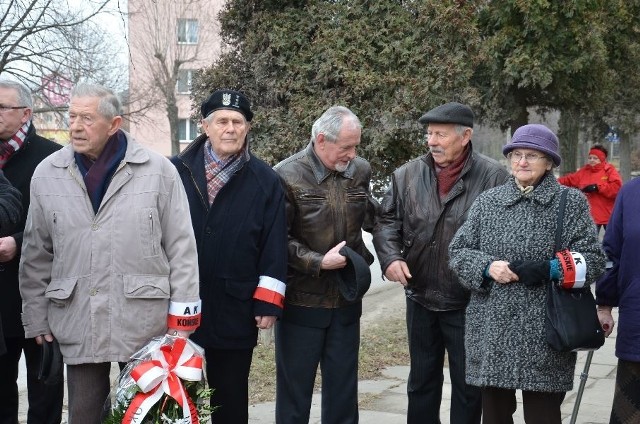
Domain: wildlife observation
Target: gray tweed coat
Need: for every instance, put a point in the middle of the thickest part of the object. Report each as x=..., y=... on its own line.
x=504, y=333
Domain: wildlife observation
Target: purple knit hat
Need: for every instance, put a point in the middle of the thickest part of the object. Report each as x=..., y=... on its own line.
x=536, y=137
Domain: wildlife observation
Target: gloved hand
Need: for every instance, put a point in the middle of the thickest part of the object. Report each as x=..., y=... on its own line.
x=531, y=273
x=590, y=188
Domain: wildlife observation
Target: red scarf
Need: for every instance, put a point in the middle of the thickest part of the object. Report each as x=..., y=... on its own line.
x=448, y=176
x=9, y=147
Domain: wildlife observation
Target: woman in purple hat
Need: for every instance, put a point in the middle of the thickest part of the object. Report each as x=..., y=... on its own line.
x=504, y=254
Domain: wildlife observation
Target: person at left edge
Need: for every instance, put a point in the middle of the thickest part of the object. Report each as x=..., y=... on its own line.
x=237, y=210
x=109, y=259
x=10, y=206
x=10, y=209
x=22, y=149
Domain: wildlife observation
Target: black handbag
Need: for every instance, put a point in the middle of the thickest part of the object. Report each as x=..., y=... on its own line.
x=571, y=322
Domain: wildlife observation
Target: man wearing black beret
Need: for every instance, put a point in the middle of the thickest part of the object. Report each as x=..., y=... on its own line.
x=238, y=216
x=426, y=203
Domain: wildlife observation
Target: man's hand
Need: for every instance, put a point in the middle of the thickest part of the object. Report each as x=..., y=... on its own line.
x=606, y=319
x=398, y=271
x=590, y=188
x=178, y=333
x=265, y=323
x=500, y=272
x=8, y=248
x=40, y=339
x=334, y=260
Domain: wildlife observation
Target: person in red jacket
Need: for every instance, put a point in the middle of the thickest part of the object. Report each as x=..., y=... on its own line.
x=600, y=181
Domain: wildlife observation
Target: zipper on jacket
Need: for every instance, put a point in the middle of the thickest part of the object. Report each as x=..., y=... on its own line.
x=83, y=187
x=205, y=201
x=120, y=166
x=152, y=237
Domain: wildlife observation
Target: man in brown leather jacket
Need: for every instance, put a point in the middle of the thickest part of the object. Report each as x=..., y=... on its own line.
x=426, y=203
x=328, y=204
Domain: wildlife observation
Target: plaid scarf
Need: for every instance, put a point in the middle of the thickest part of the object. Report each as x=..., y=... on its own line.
x=219, y=172
x=9, y=147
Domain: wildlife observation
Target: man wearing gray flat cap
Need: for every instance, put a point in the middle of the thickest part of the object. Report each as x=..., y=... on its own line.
x=425, y=204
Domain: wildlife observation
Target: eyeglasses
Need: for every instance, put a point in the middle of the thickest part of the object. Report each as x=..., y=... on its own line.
x=4, y=108
x=516, y=157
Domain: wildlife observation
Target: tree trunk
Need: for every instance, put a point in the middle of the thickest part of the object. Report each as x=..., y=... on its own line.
x=568, y=134
x=172, y=115
x=520, y=118
x=625, y=155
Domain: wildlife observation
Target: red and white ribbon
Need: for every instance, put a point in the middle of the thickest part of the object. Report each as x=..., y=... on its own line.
x=161, y=375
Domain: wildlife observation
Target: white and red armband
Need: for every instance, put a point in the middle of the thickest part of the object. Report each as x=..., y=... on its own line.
x=184, y=316
x=270, y=290
x=574, y=269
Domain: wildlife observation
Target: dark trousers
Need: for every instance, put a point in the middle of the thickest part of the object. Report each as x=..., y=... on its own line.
x=626, y=398
x=45, y=401
x=228, y=375
x=88, y=386
x=498, y=406
x=299, y=350
x=430, y=334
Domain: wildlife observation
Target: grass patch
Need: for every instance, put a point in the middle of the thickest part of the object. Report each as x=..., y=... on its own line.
x=382, y=344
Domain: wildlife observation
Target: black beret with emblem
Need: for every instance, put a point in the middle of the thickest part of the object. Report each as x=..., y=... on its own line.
x=449, y=113
x=227, y=99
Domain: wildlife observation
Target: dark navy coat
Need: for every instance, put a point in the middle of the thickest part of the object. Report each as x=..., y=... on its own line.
x=620, y=285
x=241, y=238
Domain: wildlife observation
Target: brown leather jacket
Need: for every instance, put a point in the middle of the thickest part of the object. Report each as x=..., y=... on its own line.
x=323, y=207
x=416, y=226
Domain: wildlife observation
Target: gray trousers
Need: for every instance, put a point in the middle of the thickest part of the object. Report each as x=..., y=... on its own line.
x=88, y=388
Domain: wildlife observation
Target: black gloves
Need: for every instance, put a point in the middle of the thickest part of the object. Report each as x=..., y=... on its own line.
x=590, y=188
x=531, y=273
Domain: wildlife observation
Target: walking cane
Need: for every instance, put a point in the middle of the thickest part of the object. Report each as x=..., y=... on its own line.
x=583, y=380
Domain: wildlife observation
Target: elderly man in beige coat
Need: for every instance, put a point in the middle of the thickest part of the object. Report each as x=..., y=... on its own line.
x=109, y=256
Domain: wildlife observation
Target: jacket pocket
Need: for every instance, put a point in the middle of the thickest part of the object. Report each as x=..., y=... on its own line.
x=145, y=306
x=67, y=310
x=236, y=319
x=57, y=223
x=311, y=196
x=356, y=195
x=149, y=230
x=407, y=242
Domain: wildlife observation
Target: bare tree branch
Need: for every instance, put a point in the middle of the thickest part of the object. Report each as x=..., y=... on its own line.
x=159, y=56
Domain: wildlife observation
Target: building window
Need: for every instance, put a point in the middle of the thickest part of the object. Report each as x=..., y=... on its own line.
x=184, y=81
x=187, y=31
x=187, y=130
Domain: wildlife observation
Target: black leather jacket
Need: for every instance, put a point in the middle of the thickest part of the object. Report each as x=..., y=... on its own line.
x=323, y=207
x=417, y=227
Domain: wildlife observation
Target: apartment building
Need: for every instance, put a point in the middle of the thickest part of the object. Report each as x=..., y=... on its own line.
x=168, y=41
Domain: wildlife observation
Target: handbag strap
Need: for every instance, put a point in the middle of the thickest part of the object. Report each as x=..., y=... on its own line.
x=561, y=207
